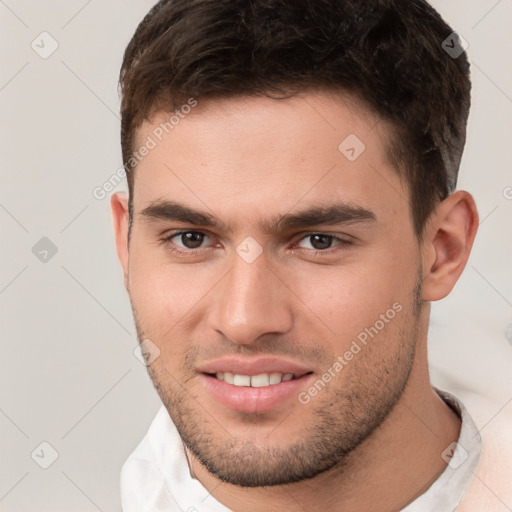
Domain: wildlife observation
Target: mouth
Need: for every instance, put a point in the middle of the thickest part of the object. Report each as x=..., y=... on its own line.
x=260, y=380
x=254, y=390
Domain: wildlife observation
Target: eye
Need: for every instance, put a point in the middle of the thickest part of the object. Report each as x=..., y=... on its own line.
x=188, y=239
x=321, y=241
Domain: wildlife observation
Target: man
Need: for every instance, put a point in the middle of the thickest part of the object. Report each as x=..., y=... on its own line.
x=292, y=213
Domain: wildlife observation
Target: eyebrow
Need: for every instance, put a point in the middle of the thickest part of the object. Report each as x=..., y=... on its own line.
x=331, y=214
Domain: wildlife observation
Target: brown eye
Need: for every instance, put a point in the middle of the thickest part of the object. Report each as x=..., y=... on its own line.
x=190, y=239
x=317, y=241
x=320, y=242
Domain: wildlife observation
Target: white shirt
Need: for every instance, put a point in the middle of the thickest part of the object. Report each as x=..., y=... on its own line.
x=156, y=476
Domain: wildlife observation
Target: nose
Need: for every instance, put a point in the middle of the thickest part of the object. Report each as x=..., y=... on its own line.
x=250, y=302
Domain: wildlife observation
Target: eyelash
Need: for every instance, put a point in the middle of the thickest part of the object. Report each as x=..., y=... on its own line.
x=341, y=243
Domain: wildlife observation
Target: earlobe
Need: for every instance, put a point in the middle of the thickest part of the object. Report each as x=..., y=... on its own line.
x=448, y=243
x=120, y=219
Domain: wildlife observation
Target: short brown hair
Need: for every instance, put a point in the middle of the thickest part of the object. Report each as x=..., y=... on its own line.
x=387, y=52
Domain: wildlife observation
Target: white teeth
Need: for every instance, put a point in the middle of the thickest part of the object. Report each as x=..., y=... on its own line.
x=275, y=378
x=256, y=381
x=242, y=380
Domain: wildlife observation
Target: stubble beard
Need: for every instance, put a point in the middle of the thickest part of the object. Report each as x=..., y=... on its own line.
x=343, y=417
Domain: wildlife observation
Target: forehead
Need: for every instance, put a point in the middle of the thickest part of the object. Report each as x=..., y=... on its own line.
x=249, y=157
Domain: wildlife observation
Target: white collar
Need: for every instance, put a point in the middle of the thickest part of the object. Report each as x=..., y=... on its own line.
x=447, y=491
x=156, y=477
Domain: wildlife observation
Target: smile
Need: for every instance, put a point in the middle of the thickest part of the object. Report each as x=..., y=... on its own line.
x=255, y=393
x=256, y=381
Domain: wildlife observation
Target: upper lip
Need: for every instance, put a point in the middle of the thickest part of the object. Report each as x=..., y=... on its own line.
x=254, y=366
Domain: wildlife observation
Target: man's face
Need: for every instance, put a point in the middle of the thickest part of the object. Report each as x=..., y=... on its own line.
x=257, y=288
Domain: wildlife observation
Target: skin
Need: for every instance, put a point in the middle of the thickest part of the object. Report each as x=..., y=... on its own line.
x=372, y=438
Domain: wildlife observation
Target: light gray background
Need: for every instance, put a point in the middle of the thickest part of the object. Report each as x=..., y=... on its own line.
x=68, y=374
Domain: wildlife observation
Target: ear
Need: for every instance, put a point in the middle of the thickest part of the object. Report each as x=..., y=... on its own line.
x=120, y=219
x=447, y=242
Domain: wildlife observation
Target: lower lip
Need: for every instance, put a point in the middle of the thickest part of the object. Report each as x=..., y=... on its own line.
x=255, y=400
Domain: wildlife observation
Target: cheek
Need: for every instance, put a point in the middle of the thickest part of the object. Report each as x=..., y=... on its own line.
x=159, y=295
x=351, y=297
x=168, y=297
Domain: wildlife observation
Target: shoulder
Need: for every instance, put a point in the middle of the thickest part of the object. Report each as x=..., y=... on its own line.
x=490, y=488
